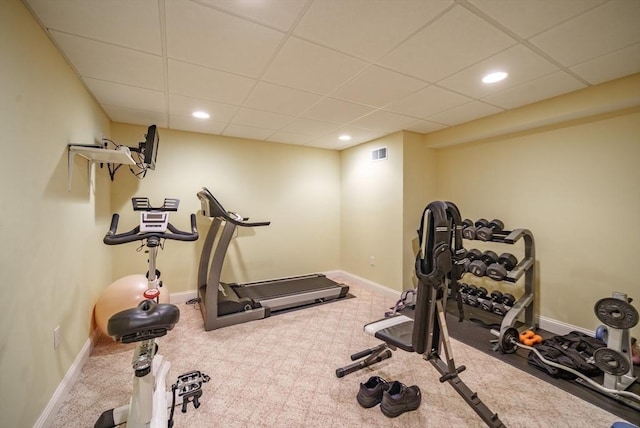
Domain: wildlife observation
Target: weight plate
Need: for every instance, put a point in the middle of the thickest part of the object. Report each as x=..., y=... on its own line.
x=508, y=340
x=616, y=313
x=611, y=361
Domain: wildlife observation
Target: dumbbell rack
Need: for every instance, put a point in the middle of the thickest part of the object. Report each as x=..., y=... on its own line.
x=526, y=267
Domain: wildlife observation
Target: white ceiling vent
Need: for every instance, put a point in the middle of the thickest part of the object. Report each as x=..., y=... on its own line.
x=379, y=154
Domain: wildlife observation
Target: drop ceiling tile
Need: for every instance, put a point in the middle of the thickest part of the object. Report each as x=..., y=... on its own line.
x=548, y=86
x=424, y=126
x=280, y=99
x=289, y=138
x=119, y=95
x=185, y=106
x=600, y=31
x=427, y=101
x=205, y=83
x=527, y=18
x=383, y=121
x=345, y=26
x=241, y=131
x=520, y=62
x=330, y=140
x=113, y=63
x=329, y=144
x=202, y=35
x=336, y=111
x=260, y=119
x=309, y=127
x=136, y=117
x=277, y=13
x=377, y=87
x=193, y=124
x=309, y=67
x=453, y=42
x=465, y=113
x=135, y=24
x=599, y=70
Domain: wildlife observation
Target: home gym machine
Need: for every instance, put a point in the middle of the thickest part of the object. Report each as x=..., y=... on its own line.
x=615, y=360
x=439, y=266
x=225, y=304
x=148, y=321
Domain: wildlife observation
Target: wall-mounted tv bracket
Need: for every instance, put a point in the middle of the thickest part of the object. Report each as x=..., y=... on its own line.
x=95, y=153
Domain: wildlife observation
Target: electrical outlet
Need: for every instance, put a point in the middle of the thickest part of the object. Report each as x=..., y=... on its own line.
x=372, y=261
x=56, y=337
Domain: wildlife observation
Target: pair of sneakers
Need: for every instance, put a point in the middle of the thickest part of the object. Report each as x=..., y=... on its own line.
x=394, y=398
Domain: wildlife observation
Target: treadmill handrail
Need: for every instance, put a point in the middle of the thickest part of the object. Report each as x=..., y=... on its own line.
x=212, y=208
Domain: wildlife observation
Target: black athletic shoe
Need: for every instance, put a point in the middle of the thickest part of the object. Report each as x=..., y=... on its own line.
x=370, y=392
x=400, y=398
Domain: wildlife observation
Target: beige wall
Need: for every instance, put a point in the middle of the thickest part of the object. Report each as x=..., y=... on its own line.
x=419, y=188
x=53, y=264
x=576, y=186
x=371, y=212
x=568, y=170
x=296, y=188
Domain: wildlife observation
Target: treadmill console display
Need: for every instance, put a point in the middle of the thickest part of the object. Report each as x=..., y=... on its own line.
x=154, y=221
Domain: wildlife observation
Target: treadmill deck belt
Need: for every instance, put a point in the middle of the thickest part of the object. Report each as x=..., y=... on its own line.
x=287, y=287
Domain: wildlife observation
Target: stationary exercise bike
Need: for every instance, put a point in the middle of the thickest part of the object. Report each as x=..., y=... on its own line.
x=147, y=321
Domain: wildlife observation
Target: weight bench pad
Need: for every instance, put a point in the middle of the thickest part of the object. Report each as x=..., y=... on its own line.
x=396, y=331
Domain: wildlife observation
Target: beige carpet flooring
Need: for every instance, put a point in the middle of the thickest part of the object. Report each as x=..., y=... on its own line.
x=280, y=372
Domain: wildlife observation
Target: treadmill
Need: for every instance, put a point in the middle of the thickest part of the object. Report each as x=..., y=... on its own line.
x=225, y=304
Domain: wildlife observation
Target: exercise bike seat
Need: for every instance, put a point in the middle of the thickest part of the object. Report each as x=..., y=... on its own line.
x=146, y=321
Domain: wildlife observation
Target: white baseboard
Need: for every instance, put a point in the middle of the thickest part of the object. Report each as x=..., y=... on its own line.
x=49, y=412
x=57, y=399
x=560, y=328
x=373, y=286
x=183, y=296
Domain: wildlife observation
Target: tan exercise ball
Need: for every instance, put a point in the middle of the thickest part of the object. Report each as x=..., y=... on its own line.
x=124, y=293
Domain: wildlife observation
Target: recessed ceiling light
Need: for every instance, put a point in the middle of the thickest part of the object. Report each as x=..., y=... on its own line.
x=201, y=114
x=344, y=137
x=494, y=77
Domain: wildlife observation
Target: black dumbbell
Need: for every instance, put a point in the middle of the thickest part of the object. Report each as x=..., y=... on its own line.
x=466, y=223
x=470, y=256
x=482, y=297
x=472, y=296
x=485, y=233
x=502, y=307
x=463, y=289
x=501, y=268
x=487, y=303
x=477, y=295
x=470, y=231
x=479, y=267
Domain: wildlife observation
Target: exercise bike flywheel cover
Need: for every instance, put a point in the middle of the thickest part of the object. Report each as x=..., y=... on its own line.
x=616, y=313
x=611, y=361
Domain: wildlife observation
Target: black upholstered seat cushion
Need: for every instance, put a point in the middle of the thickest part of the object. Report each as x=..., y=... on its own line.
x=396, y=331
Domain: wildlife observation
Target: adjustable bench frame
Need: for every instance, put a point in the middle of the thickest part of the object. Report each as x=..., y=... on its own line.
x=438, y=268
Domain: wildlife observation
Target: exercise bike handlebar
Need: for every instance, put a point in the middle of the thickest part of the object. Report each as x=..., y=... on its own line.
x=173, y=233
